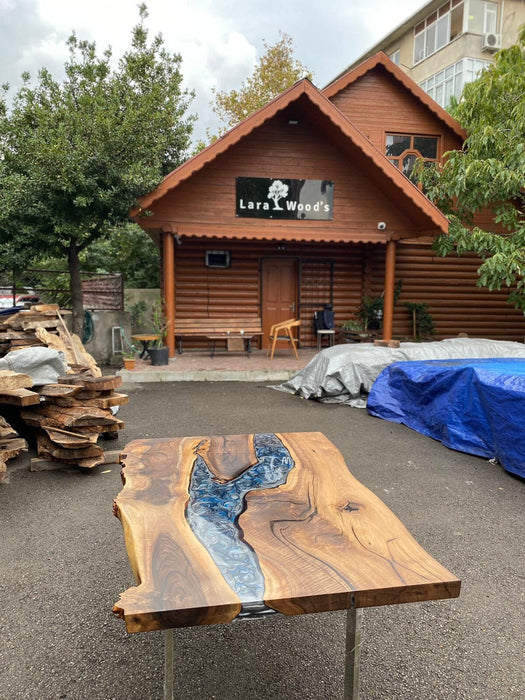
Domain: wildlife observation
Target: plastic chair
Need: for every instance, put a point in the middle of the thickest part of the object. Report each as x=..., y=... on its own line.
x=283, y=331
x=324, y=326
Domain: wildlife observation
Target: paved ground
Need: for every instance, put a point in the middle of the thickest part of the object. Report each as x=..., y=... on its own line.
x=63, y=565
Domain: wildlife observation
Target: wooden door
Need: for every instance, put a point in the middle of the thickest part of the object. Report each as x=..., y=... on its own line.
x=279, y=293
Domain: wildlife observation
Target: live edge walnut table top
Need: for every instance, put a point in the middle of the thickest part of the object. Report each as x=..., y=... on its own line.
x=218, y=528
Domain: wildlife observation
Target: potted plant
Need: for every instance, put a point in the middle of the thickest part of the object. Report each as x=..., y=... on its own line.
x=159, y=352
x=129, y=354
x=353, y=330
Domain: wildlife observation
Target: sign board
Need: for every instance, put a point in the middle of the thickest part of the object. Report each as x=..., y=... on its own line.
x=273, y=198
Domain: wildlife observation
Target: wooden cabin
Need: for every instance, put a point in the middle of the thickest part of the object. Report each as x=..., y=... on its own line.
x=306, y=202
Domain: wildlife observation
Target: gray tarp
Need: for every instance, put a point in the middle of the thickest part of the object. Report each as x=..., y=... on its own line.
x=345, y=373
x=44, y=365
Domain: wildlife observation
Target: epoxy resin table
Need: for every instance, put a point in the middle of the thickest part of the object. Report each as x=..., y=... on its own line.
x=222, y=528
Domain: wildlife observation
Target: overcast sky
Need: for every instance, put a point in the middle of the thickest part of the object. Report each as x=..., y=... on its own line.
x=219, y=40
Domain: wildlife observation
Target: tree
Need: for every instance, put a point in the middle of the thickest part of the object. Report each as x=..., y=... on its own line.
x=129, y=250
x=276, y=71
x=489, y=172
x=76, y=155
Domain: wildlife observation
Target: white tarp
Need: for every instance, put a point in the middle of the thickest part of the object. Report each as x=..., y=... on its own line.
x=345, y=373
x=44, y=365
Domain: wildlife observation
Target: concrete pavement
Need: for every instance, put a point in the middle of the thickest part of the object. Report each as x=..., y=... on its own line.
x=63, y=564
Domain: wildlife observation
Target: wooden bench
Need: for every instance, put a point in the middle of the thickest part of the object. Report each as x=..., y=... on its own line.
x=243, y=328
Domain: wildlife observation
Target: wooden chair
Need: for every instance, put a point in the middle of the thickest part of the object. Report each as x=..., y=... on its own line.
x=283, y=331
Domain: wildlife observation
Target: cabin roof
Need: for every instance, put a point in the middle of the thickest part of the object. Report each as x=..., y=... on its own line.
x=330, y=119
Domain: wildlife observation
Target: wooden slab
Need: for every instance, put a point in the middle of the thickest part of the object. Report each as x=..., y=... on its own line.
x=6, y=431
x=227, y=456
x=47, y=465
x=69, y=439
x=19, y=397
x=47, y=448
x=10, y=380
x=108, y=381
x=302, y=534
x=11, y=447
x=97, y=402
x=54, y=390
x=48, y=415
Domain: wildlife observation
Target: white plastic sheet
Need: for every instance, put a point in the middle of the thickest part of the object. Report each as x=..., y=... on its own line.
x=345, y=373
x=44, y=365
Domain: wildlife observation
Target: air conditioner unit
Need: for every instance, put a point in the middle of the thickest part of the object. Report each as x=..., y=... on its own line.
x=491, y=42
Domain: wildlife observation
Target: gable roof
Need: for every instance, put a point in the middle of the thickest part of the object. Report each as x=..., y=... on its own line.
x=380, y=59
x=377, y=162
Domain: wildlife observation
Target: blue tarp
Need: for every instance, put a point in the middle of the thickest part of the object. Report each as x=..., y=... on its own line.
x=475, y=406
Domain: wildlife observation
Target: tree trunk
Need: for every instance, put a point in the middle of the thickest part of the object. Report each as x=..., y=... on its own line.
x=75, y=287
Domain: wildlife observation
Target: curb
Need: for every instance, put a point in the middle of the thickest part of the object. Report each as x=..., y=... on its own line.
x=138, y=377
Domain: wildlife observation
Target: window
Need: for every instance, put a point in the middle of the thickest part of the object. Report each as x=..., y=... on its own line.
x=404, y=149
x=490, y=18
x=450, y=81
x=394, y=57
x=438, y=29
x=482, y=17
x=217, y=258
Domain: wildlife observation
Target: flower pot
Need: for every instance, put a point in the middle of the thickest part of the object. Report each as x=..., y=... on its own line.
x=129, y=363
x=159, y=356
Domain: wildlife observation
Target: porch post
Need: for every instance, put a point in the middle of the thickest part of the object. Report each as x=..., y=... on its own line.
x=168, y=250
x=388, y=301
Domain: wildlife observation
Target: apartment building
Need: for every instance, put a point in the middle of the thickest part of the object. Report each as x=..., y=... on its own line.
x=443, y=46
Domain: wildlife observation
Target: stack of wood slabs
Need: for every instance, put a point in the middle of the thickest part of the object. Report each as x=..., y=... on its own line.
x=72, y=415
x=15, y=389
x=19, y=329
x=11, y=444
x=44, y=325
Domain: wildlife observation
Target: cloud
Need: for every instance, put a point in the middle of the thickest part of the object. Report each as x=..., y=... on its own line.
x=25, y=38
x=219, y=42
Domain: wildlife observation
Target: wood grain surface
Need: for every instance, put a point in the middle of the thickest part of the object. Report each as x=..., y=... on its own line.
x=215, y=527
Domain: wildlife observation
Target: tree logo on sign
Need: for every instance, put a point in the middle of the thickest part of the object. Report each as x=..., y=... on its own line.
x=277, y=191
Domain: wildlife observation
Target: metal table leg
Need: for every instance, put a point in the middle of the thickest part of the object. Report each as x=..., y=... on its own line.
x=168, y=665
x=353, y=654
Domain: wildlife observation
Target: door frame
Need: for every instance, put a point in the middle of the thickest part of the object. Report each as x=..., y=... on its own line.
x=279, y=258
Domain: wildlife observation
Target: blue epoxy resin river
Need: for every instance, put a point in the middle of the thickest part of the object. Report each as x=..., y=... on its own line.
x=214, y=508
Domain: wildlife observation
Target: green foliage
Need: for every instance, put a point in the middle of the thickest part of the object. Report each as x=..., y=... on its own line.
x=138, y=313
x=126, y=249
x=130, y=352
x=489, y=172
x=424, y=323
x=76, y=155
x=276, y=71
x=159, y=324
x=370, y=312
x=352, y=325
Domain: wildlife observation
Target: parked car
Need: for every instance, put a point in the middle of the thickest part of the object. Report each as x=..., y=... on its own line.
x=27, y=299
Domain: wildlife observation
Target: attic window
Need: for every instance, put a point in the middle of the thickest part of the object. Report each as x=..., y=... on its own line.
x=403, y=150
x=218, y=258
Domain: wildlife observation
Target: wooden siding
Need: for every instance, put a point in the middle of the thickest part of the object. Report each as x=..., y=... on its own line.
x=448, y=286
x=205, y=204
x=377, y=105
x=203, y=292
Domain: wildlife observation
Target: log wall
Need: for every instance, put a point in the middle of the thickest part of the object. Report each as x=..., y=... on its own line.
x=203, y=292
x=377, y=105
x=448, y=286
